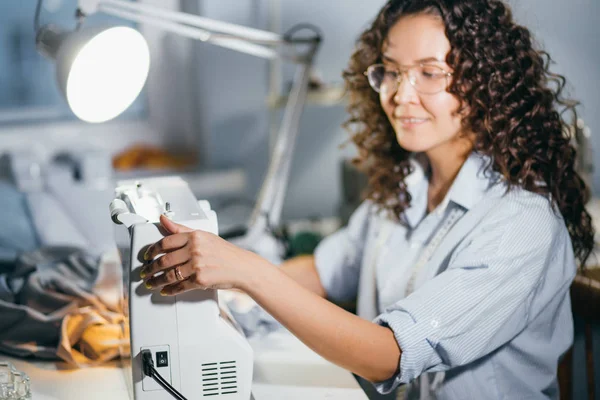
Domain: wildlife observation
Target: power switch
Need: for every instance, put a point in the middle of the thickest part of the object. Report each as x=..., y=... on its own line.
x=162, y=360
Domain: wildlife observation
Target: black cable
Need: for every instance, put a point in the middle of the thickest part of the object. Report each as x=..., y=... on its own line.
x=36, y=19
x=165, y=385
x=149, y=370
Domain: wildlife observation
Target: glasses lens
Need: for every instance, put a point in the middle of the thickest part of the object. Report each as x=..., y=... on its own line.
x=376, y=74
x=429, y=79
x=382, y=79
x=426, y=79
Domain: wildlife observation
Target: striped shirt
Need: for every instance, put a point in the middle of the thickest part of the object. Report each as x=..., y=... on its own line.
x=490, y=313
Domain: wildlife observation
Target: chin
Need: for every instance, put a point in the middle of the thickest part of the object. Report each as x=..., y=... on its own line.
x=413, y=144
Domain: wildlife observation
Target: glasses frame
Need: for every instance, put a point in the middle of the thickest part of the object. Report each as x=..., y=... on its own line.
x=404, y=70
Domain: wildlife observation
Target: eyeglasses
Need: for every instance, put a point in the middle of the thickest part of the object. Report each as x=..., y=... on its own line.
x=425, y=78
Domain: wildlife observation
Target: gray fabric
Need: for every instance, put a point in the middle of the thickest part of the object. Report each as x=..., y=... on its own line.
x=41, y=289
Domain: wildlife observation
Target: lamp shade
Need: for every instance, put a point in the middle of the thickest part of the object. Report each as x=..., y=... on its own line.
x=100, y=70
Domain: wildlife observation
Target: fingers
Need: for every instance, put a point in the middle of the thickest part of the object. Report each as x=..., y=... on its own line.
x=170, y=276
x=166, y=245
x=173, y=227
x=191, y=260
x=179, y=287
x=169, y=260
x=207, y=277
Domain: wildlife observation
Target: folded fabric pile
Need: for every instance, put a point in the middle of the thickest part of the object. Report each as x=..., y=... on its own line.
x=60, y=279
x=53, y=306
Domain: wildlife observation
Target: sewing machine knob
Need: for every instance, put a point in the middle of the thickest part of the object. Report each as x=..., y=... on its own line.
x=117, y=206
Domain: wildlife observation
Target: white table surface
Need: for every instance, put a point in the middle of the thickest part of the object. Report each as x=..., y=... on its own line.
x=284, y=368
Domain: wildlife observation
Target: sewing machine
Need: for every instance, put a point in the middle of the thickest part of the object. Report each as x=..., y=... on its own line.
x=193, y=348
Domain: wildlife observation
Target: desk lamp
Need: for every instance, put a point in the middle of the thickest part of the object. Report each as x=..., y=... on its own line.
x=101, y=71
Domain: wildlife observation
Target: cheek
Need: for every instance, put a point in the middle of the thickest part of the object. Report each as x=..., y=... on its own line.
x=444, y=109
x=386, y=104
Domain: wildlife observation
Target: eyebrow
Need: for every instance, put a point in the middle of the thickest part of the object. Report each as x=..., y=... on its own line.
x=422, y=60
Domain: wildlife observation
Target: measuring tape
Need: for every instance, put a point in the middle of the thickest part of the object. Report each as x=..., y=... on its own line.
x=454, y=215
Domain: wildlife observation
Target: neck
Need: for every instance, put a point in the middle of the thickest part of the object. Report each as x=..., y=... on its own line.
x=445, y=163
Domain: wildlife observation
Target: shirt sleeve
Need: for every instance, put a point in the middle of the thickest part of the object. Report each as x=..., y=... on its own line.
x=338, y=257
x=482, y=300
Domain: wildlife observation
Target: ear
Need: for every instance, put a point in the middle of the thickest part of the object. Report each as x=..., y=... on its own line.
x=173, y=227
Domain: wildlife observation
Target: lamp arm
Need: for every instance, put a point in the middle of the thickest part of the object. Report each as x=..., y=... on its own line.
x=236, y=37
x=210, y=26
x=267, y=212
x=193, y=33
x=238, y=31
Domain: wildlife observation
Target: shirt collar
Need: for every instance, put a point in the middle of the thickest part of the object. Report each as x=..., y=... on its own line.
x=468, y=187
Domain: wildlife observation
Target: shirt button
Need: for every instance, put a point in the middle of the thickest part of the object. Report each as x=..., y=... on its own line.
x=434, y=323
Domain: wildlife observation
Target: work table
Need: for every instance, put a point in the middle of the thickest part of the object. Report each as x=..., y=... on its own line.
x=284, y=368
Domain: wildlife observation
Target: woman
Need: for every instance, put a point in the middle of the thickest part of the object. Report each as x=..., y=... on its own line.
x=464, y=252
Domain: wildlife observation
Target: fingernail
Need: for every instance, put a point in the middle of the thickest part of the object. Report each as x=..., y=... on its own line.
x=163, y=293
x=148, y=285
x=142, y=274
x=147, y=254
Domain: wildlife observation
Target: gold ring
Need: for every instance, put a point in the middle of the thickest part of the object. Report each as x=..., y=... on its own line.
x=178, y=274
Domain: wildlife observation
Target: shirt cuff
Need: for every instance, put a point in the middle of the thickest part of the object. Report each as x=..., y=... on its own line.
x=417, y=340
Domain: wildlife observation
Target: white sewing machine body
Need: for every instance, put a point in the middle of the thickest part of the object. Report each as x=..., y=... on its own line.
x=196, y=350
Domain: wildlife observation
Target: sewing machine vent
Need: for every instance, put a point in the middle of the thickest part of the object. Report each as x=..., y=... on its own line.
x=219, y=378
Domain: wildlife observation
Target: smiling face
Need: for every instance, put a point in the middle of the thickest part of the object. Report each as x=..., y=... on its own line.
x=422, y=122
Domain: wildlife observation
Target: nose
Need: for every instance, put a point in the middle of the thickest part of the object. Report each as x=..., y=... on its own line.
x=405, y=93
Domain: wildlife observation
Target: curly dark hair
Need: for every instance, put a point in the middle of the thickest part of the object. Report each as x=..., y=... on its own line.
x=494, y=63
